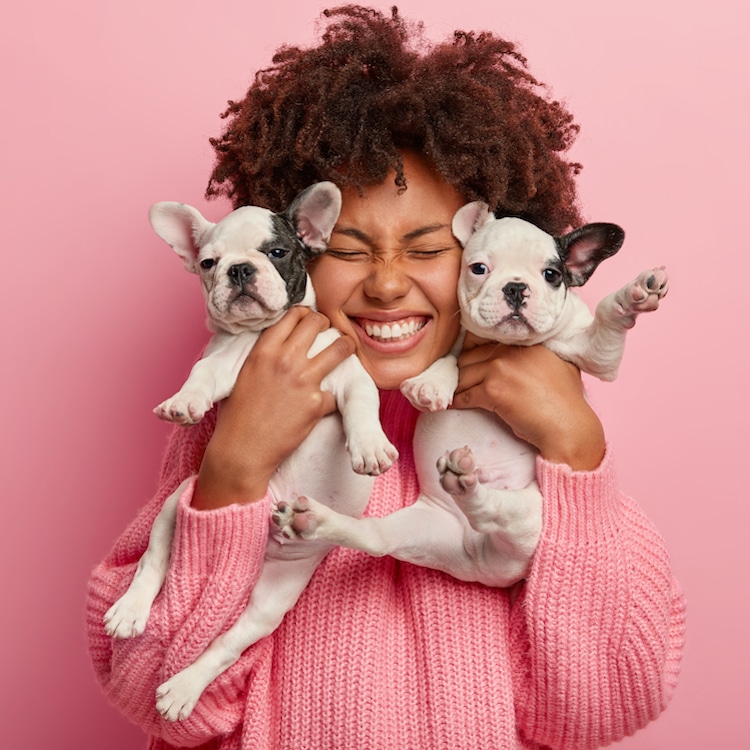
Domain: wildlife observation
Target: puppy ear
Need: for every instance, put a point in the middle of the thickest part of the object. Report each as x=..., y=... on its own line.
x=314, y=213
x=181, y=227
x=469, y=218
x=583, y=249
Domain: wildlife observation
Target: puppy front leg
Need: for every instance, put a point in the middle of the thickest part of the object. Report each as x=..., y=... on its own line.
x=128, y=616
x=358, y=402
x=433, y=389
x=598, y=349
x=211, y=378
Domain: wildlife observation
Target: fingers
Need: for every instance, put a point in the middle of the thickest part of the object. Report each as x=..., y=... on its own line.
x=289, y=341
x=539, y=396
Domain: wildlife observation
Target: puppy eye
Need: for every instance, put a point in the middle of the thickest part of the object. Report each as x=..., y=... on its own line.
x=277, y=252
x=552, y=276
x=479, y=269
x=208, y=263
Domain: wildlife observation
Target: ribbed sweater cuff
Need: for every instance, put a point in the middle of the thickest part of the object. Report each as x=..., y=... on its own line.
x=579, y=505
x=226, y=538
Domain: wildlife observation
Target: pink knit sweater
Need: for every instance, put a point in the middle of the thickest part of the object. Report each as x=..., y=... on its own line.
x=379, y=654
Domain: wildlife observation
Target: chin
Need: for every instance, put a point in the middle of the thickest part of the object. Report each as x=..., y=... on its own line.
x=388, y=376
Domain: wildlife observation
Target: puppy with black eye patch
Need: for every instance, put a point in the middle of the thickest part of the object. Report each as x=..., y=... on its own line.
x=252, y=267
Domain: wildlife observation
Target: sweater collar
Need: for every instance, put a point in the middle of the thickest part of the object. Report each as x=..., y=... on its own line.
x=398, y=417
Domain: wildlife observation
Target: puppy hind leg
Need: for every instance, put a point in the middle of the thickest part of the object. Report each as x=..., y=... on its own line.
x=424, y=533
x=506, y=522
x=128, y=616
x=281, y=583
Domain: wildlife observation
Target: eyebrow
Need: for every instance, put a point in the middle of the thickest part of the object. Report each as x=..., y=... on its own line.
x=358, y=234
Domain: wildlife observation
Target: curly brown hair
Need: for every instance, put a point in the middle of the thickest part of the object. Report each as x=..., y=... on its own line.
x=344, y=109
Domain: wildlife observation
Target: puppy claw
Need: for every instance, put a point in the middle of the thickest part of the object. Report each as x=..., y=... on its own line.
x=177, y=697
x=371, y=455
x=184, y=409
x=643, y=294
x=128, y=616
x=427, y=396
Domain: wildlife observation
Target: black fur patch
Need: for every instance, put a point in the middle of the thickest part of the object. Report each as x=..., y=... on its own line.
x=293, y=266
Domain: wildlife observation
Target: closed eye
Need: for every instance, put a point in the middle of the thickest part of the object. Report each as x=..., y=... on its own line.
x=347, y=254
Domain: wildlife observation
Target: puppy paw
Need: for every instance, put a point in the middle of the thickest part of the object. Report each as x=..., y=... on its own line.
x=427, y=395
x=176, y=698
x=459, y=476
x=184, y=408
x=300, y=518
x=128, y=616
x=371, y=453
x=643, y=294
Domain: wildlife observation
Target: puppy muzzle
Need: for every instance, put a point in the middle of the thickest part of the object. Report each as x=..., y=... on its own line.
x=241, y=273
x=515, y=294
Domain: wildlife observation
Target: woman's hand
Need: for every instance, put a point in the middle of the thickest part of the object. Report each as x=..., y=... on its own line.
x=274, y=404
x=539, y=395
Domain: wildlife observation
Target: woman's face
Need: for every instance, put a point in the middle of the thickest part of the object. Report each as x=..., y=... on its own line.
x=390, y=272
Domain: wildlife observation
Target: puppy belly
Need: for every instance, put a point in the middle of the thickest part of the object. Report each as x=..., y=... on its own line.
x=504, y=461
x=321, y=468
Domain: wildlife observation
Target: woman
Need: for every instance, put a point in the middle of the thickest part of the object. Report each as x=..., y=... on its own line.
x=379, y=654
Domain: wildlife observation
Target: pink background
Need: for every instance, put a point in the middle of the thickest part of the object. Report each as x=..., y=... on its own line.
x=107, y=108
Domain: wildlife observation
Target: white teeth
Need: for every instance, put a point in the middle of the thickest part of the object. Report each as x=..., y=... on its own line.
x=393, y=331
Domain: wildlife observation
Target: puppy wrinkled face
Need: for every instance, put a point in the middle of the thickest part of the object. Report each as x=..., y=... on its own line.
x=512, y=284
x=252, y=268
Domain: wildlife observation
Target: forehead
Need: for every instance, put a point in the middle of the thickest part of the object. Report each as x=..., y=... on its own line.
x=384, y=213
x=515, y=236
x=245, y=228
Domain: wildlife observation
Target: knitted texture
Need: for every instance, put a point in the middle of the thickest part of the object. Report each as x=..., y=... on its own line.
x=382, y=654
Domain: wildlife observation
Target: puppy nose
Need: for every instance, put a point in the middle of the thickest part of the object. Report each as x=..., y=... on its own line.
x=514, y=292
x=241, y=273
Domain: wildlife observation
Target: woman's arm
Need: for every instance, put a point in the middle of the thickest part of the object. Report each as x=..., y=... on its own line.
x=598, y=629
x=216, y=555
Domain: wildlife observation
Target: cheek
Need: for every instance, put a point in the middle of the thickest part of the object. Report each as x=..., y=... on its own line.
x=441, y=288
x=333, y=284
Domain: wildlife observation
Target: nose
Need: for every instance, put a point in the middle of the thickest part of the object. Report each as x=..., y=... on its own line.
x=386, y=282
x=241, y=273
x=515, y=292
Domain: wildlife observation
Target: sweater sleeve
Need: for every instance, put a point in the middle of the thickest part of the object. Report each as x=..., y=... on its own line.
x=597, y=633
x=215, y=560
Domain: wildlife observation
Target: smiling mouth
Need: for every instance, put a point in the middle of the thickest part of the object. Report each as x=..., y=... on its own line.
x=395, y=330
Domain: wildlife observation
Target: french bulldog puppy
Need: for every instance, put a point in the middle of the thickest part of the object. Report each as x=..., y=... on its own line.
x=479, y=516
x=252, y=267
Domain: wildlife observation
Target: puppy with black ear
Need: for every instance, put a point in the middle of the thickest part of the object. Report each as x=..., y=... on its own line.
x=515, y=282
x=252, y=267
x=479, y=516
